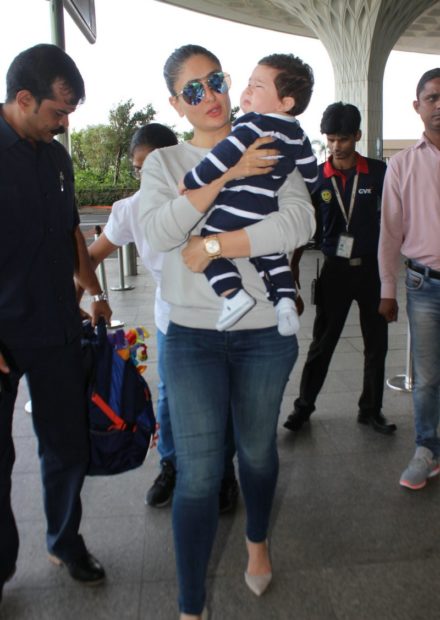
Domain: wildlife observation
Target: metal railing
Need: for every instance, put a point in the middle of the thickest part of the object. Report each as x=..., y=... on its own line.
x=404, y=383
x=127, y=260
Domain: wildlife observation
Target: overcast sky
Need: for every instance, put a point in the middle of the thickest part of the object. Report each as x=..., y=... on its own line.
x=136, y=36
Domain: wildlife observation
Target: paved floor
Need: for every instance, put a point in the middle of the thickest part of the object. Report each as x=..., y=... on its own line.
x=347, y=543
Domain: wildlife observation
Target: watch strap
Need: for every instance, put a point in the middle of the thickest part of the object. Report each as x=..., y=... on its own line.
x=100, y=297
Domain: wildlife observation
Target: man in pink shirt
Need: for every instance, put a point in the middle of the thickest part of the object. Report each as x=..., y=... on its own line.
x=411, y=225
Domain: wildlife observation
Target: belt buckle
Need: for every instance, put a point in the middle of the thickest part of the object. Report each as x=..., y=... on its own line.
x=355, y=262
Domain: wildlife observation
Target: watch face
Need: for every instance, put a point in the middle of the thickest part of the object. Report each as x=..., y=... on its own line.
x=212, y=246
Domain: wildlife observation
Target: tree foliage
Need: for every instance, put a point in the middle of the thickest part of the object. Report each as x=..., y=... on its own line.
x=92, y=151
x=100, y=152
x=319, y=149
x=235, y=113
x=122, y=126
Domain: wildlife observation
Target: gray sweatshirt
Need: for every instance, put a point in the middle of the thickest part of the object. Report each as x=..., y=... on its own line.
x=167, y=220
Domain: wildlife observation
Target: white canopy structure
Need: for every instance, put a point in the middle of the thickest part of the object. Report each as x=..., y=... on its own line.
x=357, y=34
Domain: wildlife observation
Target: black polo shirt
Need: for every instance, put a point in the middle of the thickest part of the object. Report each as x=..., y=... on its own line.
x=38, y=217
x=365, y=221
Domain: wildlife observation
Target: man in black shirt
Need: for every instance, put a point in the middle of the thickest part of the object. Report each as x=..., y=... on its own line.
x=41, y=248
x=347, y=199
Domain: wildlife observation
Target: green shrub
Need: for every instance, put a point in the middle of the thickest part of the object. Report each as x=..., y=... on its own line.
x=103, y=196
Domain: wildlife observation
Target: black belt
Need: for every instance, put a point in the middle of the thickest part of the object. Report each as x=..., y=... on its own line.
x=425, y=271
x=352, y=262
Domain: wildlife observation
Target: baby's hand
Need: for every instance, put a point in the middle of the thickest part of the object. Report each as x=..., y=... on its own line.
x=181, y=187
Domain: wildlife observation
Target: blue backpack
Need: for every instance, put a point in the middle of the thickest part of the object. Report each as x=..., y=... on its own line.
x=121, y=417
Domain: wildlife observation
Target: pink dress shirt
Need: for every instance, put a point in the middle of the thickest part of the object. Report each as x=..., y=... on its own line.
x=410, y=221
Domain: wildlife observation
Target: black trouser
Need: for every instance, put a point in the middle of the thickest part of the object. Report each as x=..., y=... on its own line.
x=338, y=286
x=55, y=379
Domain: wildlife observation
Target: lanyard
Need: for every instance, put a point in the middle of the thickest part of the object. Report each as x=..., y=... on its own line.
x=352, y=199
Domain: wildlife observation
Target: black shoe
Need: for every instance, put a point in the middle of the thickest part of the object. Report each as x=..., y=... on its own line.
x=2, y=583
x=228, y=496
x=86, y=569
x=161, y=492
x=296, y=420
x=377, y=421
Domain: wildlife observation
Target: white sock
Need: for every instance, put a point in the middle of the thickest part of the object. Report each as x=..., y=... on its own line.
x=287, y=317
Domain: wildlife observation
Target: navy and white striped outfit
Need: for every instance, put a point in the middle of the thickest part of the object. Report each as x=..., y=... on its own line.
x=248, y=200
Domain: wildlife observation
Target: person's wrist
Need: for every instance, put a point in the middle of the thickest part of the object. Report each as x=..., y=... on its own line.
x=99, y=297
x=212, y=246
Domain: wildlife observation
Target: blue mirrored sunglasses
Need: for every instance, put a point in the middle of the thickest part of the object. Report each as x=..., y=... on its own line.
x=194, y=91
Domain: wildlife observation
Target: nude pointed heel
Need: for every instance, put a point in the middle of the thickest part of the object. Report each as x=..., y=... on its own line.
x=258, y=584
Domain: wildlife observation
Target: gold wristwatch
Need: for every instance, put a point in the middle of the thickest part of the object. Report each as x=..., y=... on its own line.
x=212, y=246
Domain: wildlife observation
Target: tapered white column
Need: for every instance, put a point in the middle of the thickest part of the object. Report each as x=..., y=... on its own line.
x=358, y=36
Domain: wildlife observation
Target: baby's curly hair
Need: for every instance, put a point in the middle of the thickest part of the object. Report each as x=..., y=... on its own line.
x=295, y=79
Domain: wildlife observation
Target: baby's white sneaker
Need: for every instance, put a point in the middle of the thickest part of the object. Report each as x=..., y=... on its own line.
x=233, y=309
x=287, y=317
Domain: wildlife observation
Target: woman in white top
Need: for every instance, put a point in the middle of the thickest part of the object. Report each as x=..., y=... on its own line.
x=244, y=369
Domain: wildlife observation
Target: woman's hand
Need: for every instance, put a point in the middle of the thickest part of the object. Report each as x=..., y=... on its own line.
x=389, y=309
x=194, y=255
x=3, y=365
x=85, y=316
x=100, y=309
x=299, y=304
x=254, y=161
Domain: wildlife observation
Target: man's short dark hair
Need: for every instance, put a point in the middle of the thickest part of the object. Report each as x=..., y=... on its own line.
x=295, y=79
x=432, y=74
x=37, y=68
x=339, y=118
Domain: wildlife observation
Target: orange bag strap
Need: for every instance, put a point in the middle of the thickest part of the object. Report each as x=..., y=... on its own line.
x=118, y=423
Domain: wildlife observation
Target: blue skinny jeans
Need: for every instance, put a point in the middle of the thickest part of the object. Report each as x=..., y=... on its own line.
x=165, y=444
x=423, y=309
x=210, y=373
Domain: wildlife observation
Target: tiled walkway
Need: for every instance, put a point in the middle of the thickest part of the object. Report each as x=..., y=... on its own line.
x=347, y=542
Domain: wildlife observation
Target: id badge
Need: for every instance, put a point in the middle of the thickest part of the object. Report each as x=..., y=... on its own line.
x=345, y=246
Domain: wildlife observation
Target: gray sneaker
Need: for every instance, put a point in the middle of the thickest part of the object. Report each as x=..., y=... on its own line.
x=422, y=466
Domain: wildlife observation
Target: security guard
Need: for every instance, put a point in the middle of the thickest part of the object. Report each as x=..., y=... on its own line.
x=347, y=199
x=41, y=248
